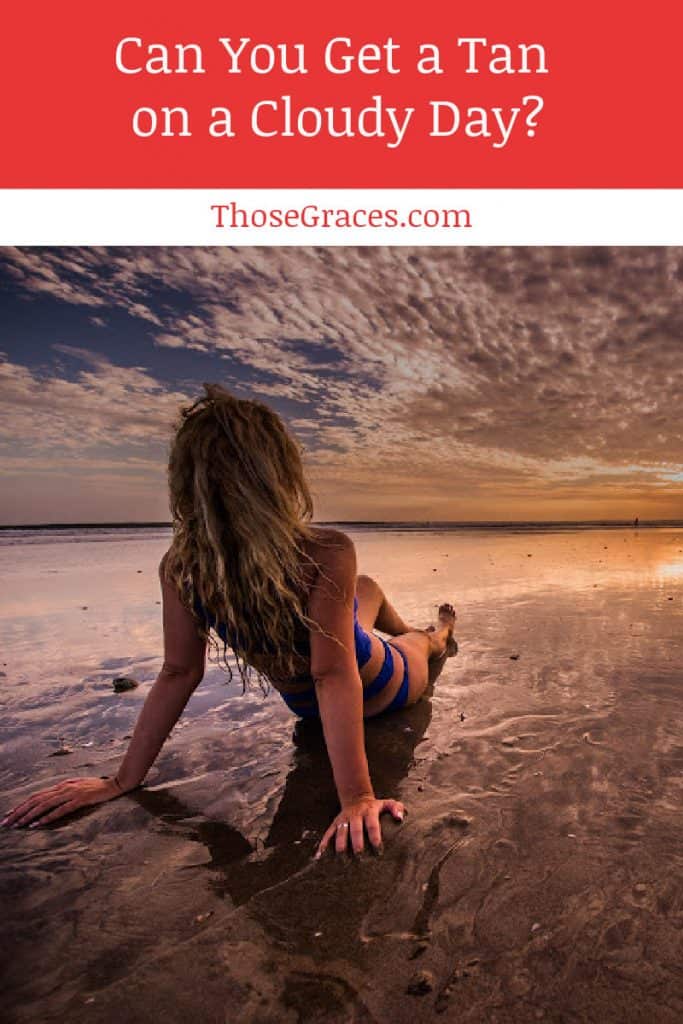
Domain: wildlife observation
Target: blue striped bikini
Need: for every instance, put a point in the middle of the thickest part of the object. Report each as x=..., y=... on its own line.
x=305, y=702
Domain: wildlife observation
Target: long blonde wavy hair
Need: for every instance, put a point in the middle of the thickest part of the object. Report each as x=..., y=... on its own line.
x=241, y=510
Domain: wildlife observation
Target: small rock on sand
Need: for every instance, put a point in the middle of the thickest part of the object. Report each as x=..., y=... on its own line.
x=420, y=984
x=60, y=753
x=455, y=819
x=514, y=657
x=122, y=683
x=509, y=741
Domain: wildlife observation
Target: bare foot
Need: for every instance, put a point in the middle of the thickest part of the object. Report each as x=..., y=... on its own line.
x=447, y=615
x=442, y=640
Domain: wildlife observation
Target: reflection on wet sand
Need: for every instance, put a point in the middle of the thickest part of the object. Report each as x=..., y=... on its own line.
x=304, y=811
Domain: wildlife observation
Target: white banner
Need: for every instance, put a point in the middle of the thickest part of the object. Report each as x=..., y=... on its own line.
x=341, y=217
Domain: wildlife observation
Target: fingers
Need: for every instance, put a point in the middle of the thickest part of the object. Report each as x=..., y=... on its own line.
x=70, y=805
x=350, y=827
x=374, y=830
x=37, y=802
x=53, y=802
x=342, y=830
x=17, y=813
x=40, y=807
x=395, y=808
x=324, y=842
x=356, y=829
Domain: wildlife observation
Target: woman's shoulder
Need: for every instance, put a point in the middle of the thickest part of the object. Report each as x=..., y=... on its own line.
x=334, y=554
x=331, y=545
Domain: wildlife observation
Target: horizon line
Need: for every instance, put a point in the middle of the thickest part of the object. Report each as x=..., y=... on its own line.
x=358, y=522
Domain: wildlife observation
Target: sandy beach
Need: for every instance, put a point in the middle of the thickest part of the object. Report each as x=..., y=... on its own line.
x=536, y=877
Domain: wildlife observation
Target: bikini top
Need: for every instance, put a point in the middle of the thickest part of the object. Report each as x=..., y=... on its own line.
x=302, y=643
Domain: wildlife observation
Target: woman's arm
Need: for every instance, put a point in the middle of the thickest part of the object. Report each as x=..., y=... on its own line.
x=340, y=698
x=181, y=673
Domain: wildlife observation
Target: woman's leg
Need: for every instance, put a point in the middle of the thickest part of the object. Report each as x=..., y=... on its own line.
x=435, y=641
x=375, y=611
x=425, y=652
x=423, y=648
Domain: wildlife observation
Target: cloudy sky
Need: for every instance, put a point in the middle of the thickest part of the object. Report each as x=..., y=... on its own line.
x=425, y=383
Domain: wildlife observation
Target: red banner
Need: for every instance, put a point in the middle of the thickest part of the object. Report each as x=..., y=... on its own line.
x=364, y=95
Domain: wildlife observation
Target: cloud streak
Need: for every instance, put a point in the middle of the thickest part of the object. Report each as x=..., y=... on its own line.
x=105, y=405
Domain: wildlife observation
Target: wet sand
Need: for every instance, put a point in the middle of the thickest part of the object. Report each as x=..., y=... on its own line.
x=536, y=877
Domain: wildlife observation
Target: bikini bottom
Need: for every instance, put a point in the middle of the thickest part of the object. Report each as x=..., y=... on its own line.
x=305, y=703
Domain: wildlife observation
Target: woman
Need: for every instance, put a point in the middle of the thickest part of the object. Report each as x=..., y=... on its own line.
x=247, y=570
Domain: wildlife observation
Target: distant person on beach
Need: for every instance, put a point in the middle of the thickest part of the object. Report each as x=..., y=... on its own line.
x=247, y=571
x=636, y=522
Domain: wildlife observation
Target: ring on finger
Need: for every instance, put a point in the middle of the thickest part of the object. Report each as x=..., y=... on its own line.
x=343, y=824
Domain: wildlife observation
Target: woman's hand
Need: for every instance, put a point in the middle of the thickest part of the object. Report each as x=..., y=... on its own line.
x=356, y=818
x=48, y=804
